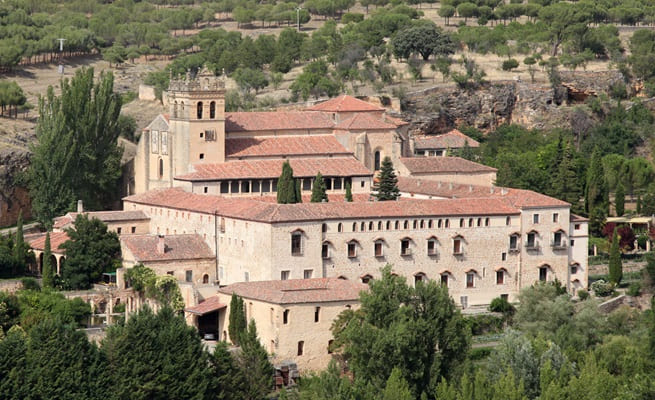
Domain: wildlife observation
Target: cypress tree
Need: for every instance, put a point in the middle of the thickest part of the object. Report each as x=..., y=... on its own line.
x=616, y=266
x=565, y=182
x=48, y=268
x=597, y=194
x=386, y=188
x=19, y=242
x=237, y=319
x=349, y=193
x=318, y=191
x=288, y=189
x=253, y=361
x=298, y=198
x=228, y=381
x=619, y=200
x=638, y=204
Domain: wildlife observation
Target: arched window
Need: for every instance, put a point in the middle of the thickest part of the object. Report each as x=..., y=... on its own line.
x=377, y=160
x=415, y=224
x=199, y=112
x=447, y=223
x=388, y=225
x=439, y=223
x=406, y=225
x=422, y=224
x=470, y=222
x=340, y=227
x=324, y=228
x=175, y=109
x=430, y=224
x=212, y=110
x=379, y=225
x=205, y=278
x=508, y=221
x=354, y=226
x=363, y=226
x=370, y=226
x=419, y=277
x=461, y=222
x=397, y=224
x=161, y=168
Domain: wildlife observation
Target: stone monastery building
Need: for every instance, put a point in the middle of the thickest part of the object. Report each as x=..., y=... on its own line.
x=205, y=183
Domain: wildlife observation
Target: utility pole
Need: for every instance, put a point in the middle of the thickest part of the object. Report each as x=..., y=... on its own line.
x=61, y=50
x=298, y=16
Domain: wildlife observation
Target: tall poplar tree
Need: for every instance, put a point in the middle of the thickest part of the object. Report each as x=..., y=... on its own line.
x=21, y=251
x=615, y=264
x=597, y=194
x=77, y=155
x=318, y=190
x=386, y=187
x=48, y=269
x=565, y=183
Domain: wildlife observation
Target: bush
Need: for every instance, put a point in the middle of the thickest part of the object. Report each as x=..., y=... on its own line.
x=501, y=305
x=483, y=324
x=634, y=289
x=480, y=353
x=583, y=294
x=510, y=64
x=602, y=288
x=30, y=284
x=352, y=17
x=119, y=308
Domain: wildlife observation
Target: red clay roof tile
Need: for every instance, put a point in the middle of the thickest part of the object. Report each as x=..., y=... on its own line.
x=37, y=242
x=422, y=165
x=451, y=140
x=297, y=291
x=276, y=121
x=208, y=305
x=284, y=146
x=364, y=121
x=270, y=169
x=178, y=247
x=345, y=103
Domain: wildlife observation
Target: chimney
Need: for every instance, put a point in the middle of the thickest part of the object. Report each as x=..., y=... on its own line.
x=161, y=246
x=80, y=207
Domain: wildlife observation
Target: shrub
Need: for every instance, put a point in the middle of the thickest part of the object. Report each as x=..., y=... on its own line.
x=634, y=289
x=583, y=294
x=510, y=64
x=352, y=17
x=501, y=305
x=602, y=288
x=480, y=353
x=119, y=308
x=483, y=324
x=30, y=284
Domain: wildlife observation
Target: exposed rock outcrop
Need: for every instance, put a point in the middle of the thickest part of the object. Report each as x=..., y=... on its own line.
x=14, y=159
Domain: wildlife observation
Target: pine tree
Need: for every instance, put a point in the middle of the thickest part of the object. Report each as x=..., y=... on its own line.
x=565, y=181
x=597, y=194
x=287, y=190
x=397, y=387
x=237, y=319
x=619, y=200
x=318, y=191
x=349, y=192
x=615, y=264
x=228, y=381
x=48, y=268
x=254, y=363
x=386, y=188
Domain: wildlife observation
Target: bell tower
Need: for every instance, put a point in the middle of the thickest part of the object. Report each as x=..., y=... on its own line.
x=197, y=120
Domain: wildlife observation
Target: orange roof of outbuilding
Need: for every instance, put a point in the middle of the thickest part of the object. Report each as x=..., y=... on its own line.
x=177, y=247
x=451, y=140
x=345, y=103
x=423, y=165
x=37, y=241
x=297, y=291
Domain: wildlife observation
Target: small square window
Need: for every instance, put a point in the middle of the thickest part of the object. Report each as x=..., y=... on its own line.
x=284, y=275
x=133, y=229
x=576, y=227
x=574, y=269
x=202, y=156
x=205, y=189
x=307, y=274
x=555, y=217
x=118, y=230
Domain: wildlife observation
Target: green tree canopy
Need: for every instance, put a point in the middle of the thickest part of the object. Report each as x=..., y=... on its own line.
x=386, y=185
x=424, y=39
x=48, y=274
x=238, y=324
x=77, y=156
x=318, y=190
x=90, y=251
x=287, y=192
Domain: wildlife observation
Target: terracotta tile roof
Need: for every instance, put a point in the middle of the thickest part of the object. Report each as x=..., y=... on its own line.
x=276, y=121
x=37, y=242
x=269, y=169
x=578, y=218
x=208, y=305
x=397, y=121
x=277, y=146
x=178, y=247
x=262, y=211
x=518, y=198
x=332, y=197
x=104, y=216
x=364, y=121
x=297, y=291
x=423, y=165
x=453, y=140
x=345, y=103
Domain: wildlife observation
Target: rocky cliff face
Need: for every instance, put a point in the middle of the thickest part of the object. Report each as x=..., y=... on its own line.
x=14, y=159
x=437, y=110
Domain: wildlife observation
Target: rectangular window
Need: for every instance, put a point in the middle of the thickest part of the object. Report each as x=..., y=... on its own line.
x=432, y=247
x=189, y=276
x=255, y=186
x=325, y=251
x=352, y=250
x=296, y=244
x=405, y=250
x=210, y=135
x=504, y=296
x=306, y=184
x=234, y=186
x=284, y=275
x=555, y=217
x=285, y=317
x=574, y=269
x=470, y=280
x=531, y=241
x=225, y=187
x=222, y=225
x=272, y=312
x=266, y=186
x=337, y=183
x=457, y=246
x=500, y=277
x=444, y=279
x=301, y=345
x=535, y=218
x=503, y=256
x=513, y=242
x=118, y=230
x=378, y=249
x=245, y=187
x=246, y=277
x=201, y=156
x=317, y=314
x=572, y=242
x=171, y=273
x=133, y=229
x=576, y=227
x=307, y=274
x=543, y=274
x=557, y=239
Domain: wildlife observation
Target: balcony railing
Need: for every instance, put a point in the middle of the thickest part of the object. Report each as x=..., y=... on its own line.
x=534, y=246
x=561, y=245
x=514, y=249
